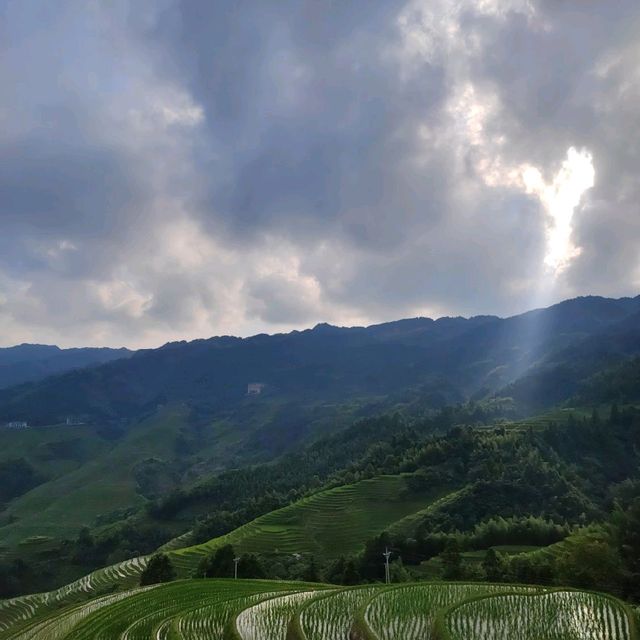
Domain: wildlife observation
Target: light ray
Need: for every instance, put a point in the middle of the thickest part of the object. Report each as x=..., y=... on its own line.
x=560, y=199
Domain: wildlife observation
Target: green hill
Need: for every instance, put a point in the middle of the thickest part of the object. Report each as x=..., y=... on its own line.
x=99, y=482
x=90, y=476
x=327, y=524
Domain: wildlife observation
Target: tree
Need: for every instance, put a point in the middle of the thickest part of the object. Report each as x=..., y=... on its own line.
x=398, y=572
x=217, y=565
x=158, y=570
x=336, y=570
x=530, y=568
x=250, y=566
x=591, y=563
x=343, y=571
x=310, y=573
x=14, y=578
x=493, y=566
x=350, y=575
x=85, y=539
x=627, y=523
x=85, y=551
x=451, y=561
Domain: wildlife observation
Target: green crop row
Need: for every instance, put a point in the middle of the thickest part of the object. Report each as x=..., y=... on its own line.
x=269, y=618
x=23, y=611
x=330, y=615
x=274, y=610
x=409, y=611
x=558, y=614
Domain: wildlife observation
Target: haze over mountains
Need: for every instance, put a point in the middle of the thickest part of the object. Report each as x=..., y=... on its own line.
x=30, y=362
x=538, y=358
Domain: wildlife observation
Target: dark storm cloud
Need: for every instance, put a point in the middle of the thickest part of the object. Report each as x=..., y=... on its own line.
x=61, y=187
x=175, y=168
x=306, y=117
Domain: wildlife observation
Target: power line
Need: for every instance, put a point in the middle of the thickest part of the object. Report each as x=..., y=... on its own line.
x=387, y=575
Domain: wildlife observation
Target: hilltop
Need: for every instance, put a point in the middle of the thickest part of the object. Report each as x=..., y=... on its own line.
x=538, y=357
x=33, y=362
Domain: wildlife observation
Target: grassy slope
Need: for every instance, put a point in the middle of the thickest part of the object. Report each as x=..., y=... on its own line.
x=328, y=524
x=558, y=416
x=53, y=451
x=565, y=546
x=104, y=483
x=407, y=526
x=88, y=476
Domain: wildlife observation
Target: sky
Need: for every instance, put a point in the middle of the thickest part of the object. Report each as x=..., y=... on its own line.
x=175, y=169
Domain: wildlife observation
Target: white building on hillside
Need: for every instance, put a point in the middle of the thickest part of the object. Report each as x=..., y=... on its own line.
x=17, y=424
x=255, y=388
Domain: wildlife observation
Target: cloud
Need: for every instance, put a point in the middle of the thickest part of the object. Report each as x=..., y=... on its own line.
x=183, y=168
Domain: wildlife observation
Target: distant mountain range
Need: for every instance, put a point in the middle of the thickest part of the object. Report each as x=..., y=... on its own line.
x=32, y=362
x=539, y=358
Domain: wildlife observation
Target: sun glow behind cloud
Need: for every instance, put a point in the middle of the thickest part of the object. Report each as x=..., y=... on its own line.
x=471, y=111
x=560, y=199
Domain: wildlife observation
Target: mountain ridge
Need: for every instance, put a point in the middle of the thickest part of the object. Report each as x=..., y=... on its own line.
x=479, y=355
x=29, y=362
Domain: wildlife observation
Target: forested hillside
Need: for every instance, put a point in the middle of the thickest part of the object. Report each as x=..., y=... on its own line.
x=464, y=490
x=542, y=355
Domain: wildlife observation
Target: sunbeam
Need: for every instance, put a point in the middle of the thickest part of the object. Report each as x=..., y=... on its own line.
x=560, y=199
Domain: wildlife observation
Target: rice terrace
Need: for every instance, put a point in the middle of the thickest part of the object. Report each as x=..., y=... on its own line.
x=226, y=609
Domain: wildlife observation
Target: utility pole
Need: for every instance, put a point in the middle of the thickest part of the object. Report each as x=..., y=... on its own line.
x=235, y=567
x=387, y=575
